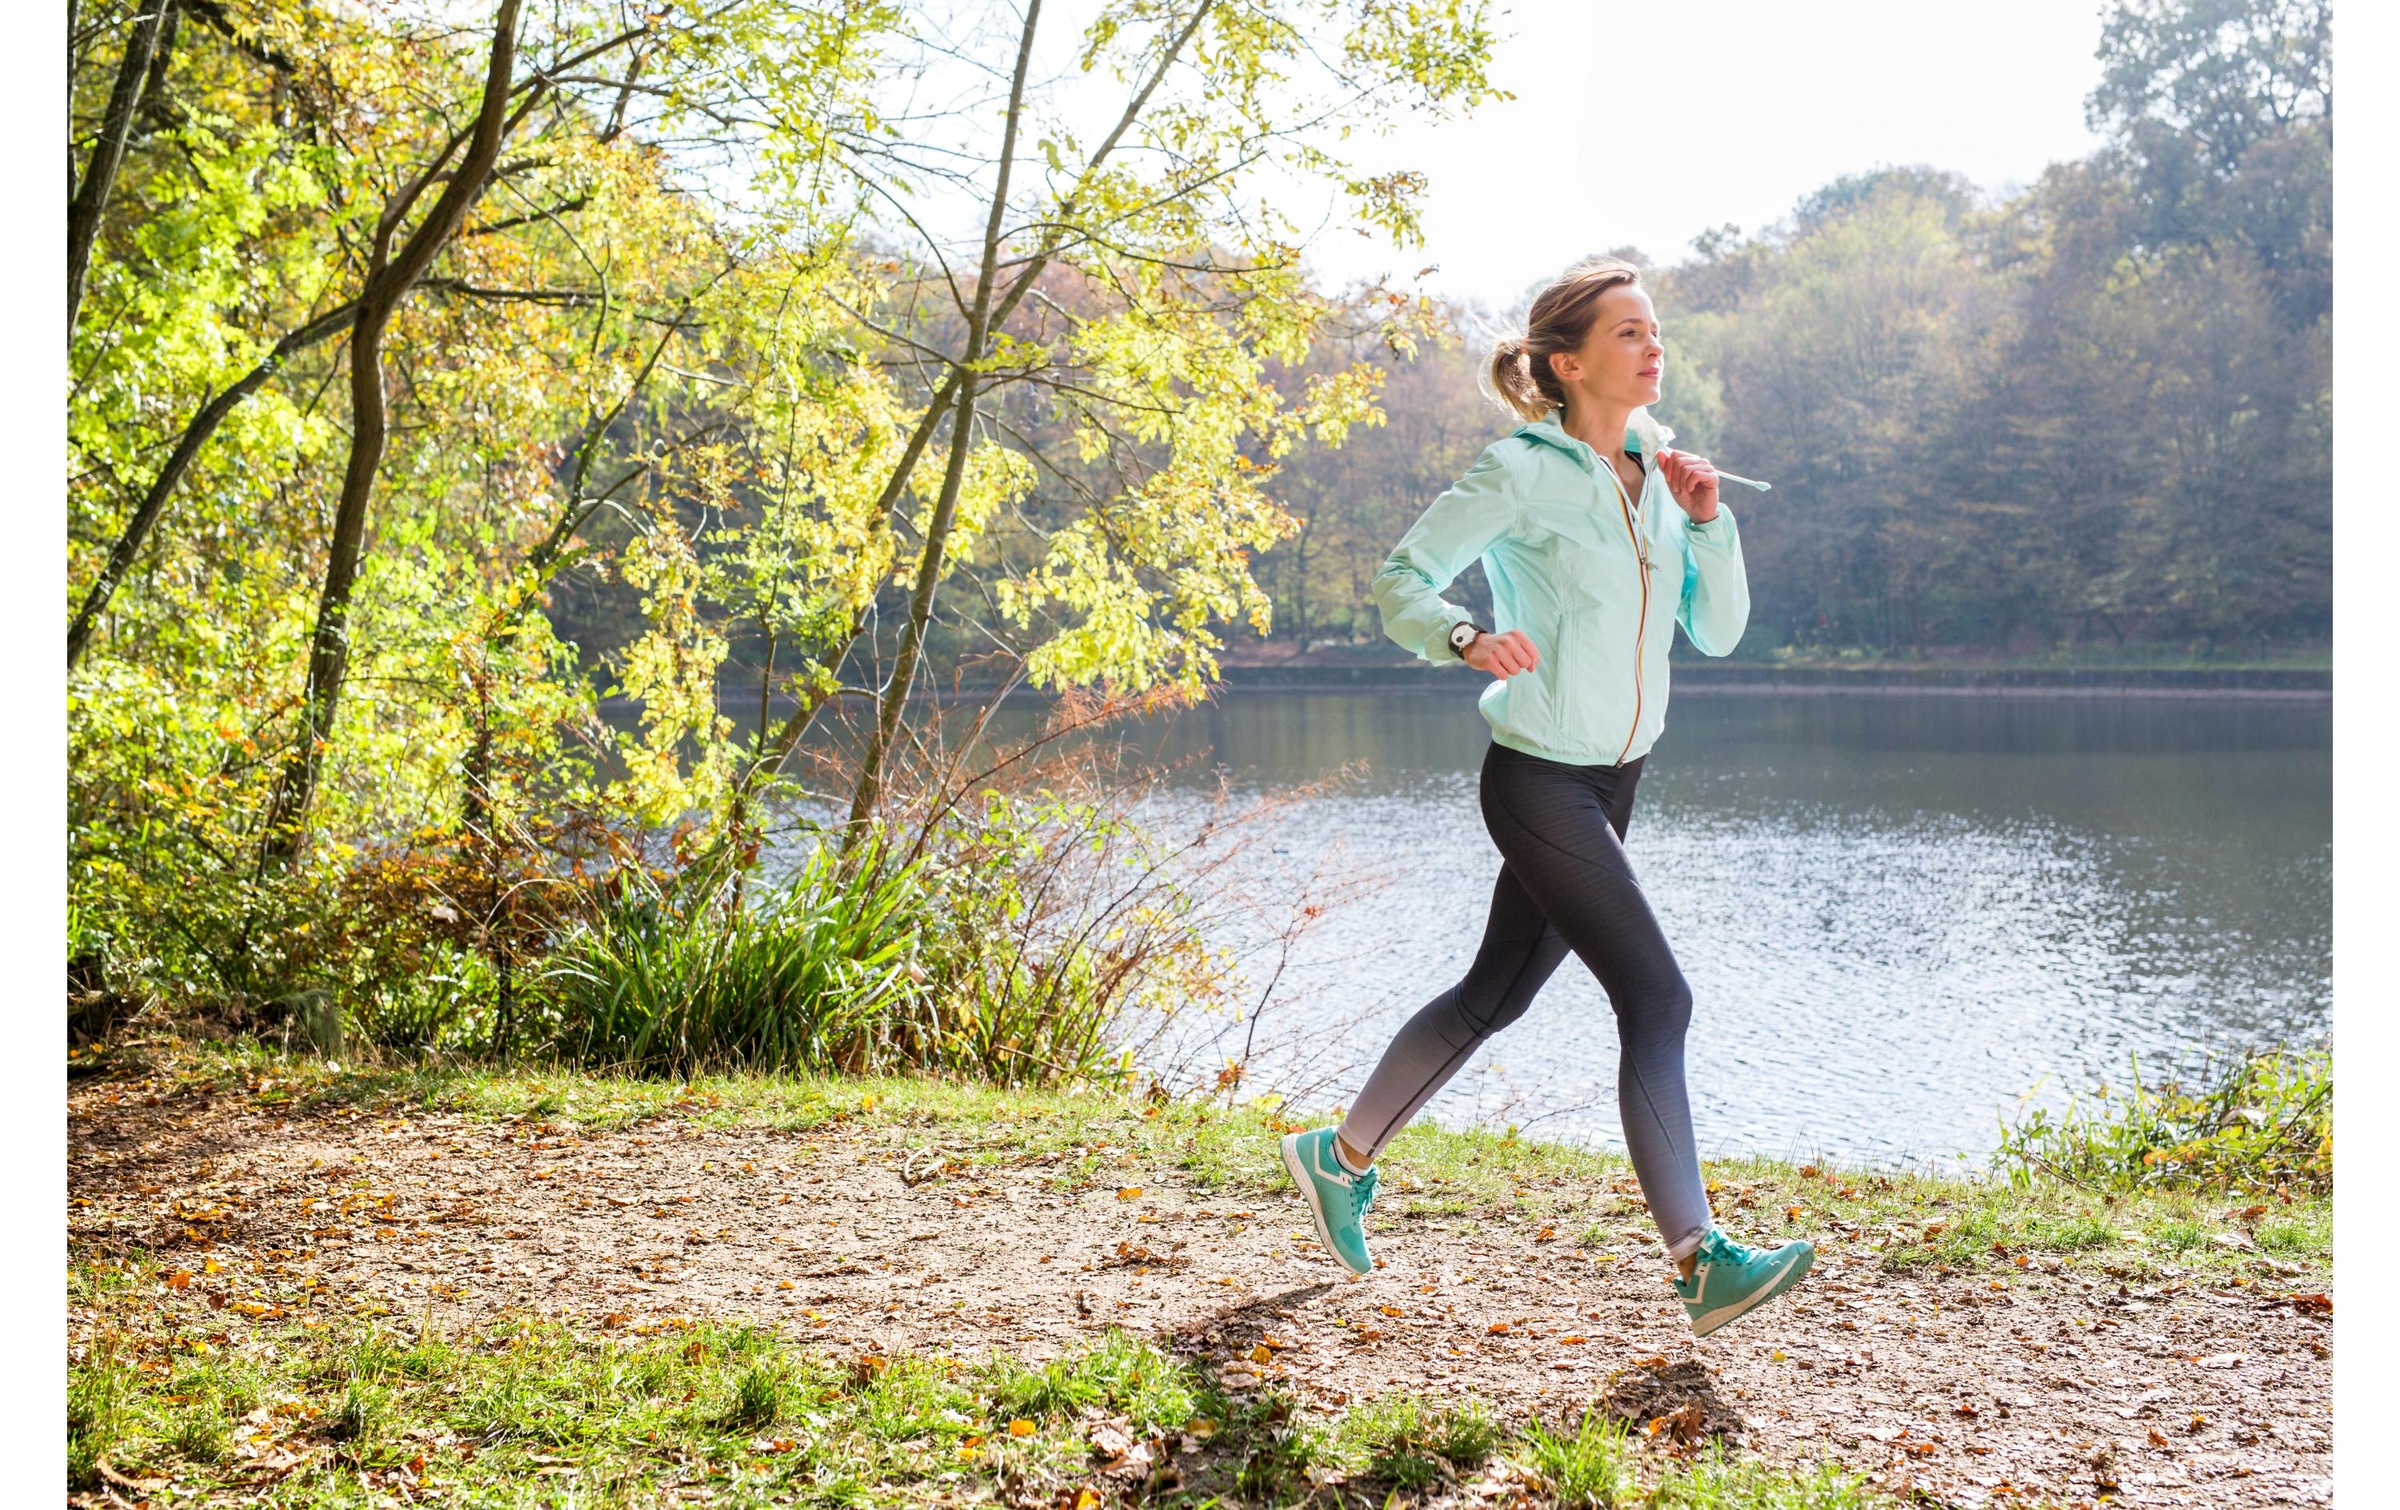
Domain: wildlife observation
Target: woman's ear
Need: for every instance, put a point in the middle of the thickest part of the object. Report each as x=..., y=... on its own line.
x=1567, y=366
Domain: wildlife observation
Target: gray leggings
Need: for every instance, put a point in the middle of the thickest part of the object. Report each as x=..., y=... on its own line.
x=1565, y=883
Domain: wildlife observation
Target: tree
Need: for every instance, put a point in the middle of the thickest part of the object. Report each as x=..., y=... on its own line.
x=147, y=47
x=1127, y=290
x=2218, y=76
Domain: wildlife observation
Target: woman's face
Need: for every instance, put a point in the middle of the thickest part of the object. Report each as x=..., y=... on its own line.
x=1620, y=361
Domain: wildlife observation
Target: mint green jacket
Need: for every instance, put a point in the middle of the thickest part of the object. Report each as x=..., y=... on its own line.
x=1596, y=580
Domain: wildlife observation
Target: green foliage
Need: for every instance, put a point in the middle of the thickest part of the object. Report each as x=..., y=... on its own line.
x=2229, y=73
x=671, y=423
x=677, y=974
x=2251, y=1121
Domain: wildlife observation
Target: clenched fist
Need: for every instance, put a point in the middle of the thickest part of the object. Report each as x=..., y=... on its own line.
x=1503, y=655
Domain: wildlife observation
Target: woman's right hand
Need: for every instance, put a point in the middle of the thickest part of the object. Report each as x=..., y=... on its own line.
x=1503, y=655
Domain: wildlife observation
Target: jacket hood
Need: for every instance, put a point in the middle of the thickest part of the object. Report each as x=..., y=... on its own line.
x=1642, y=433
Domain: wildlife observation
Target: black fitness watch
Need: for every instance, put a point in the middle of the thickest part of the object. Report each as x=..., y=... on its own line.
x=1462, y=634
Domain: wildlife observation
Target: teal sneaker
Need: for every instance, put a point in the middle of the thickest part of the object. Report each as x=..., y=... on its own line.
x=1337, y=1199
x=1730, y=1280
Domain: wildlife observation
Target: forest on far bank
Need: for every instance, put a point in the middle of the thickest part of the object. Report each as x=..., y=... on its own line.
x=2090, y=418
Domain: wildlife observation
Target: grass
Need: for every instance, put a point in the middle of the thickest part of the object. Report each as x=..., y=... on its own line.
x=2235, y=1123
x=532, y=1413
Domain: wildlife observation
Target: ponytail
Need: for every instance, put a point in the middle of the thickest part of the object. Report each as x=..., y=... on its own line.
x=1508, y=378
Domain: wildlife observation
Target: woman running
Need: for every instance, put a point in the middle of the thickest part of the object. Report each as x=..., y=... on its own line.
x=1597, y=541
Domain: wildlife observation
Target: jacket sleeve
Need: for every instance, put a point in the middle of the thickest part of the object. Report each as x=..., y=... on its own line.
x=1456, y=528
x=1716, y=591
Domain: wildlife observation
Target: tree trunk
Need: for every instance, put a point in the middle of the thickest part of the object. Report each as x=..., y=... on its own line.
x=983, y=319
x=91, y=196
x=962, y=438
x=329, y=646
x=894, y=700
x=1300, y=584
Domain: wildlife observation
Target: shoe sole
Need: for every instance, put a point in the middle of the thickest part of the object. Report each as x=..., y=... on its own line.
x=1308, y=1193
x=1703, y=1325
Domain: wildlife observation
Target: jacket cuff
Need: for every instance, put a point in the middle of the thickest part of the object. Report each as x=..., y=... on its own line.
x=1718, y=529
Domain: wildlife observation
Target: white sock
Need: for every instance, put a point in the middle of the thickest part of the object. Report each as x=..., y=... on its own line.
x=1343, y=1159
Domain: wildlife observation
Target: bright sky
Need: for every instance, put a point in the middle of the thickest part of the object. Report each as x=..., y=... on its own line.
x=1645, y=127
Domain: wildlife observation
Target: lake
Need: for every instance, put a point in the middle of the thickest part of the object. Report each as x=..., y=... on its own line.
x=1898, y=914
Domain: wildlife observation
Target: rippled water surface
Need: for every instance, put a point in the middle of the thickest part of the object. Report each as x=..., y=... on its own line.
x=1897, y=914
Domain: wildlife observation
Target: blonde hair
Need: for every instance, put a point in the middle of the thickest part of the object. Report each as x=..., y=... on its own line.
x=1519, y=374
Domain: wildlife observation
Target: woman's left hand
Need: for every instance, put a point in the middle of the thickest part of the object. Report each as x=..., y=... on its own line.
x=1693, y=482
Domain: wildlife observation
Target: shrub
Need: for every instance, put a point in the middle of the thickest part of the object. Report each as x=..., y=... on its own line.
x=680, y=973
x=2234, y=1122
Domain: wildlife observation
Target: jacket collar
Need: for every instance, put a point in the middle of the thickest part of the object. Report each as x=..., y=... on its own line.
x=1643, y=435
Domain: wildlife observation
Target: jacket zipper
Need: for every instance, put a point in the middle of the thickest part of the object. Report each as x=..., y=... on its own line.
x=1642, y=626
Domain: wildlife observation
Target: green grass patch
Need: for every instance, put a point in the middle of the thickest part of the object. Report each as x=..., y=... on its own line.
x=530, y=1413
x=2250, y=1123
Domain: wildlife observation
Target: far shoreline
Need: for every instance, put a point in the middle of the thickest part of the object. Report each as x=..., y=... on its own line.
x=2271, y=684
x=2311, y=686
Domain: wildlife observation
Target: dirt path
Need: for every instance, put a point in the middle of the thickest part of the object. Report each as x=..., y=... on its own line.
x=1968, y=1392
